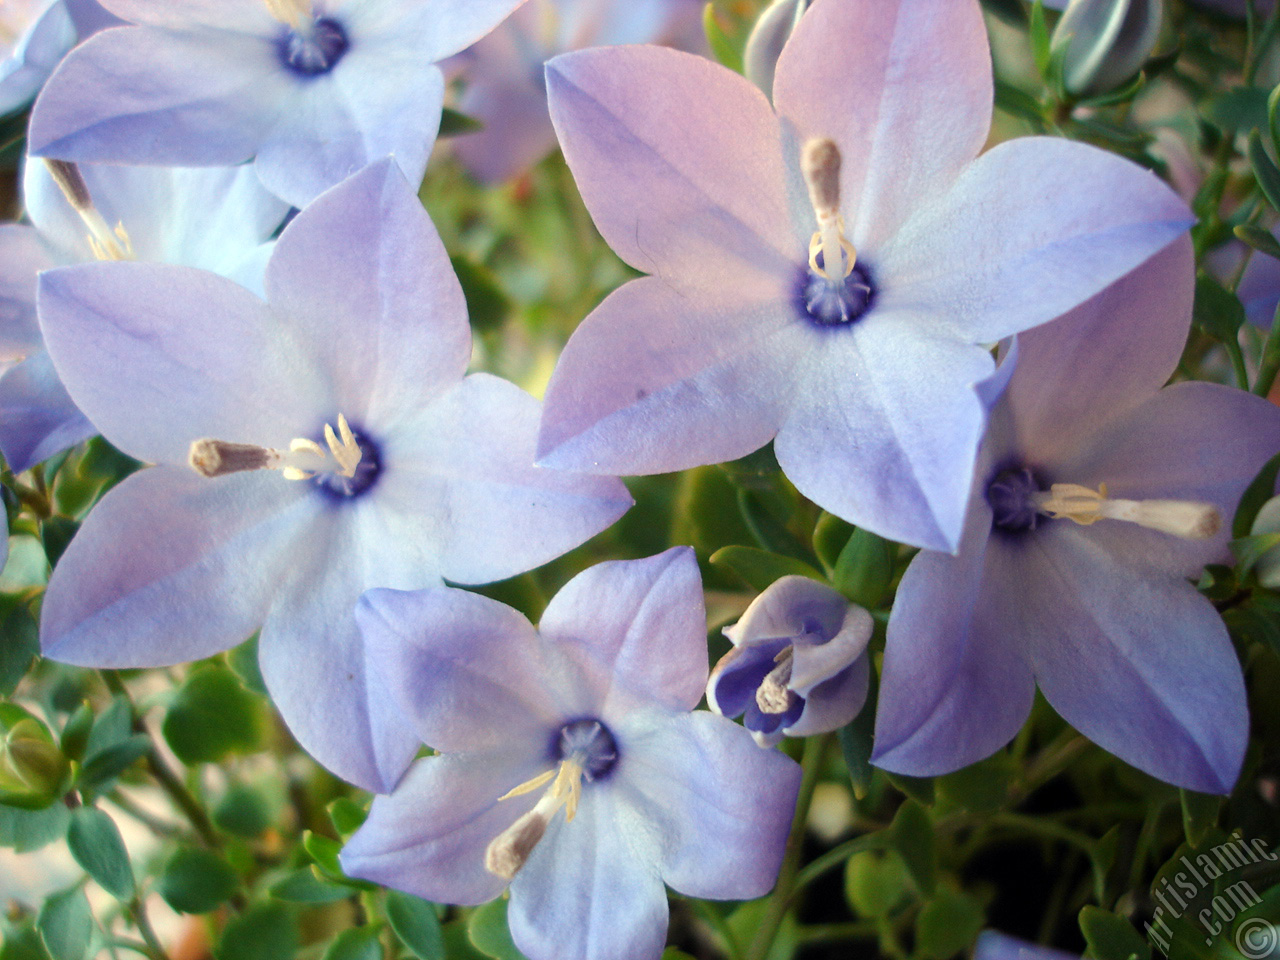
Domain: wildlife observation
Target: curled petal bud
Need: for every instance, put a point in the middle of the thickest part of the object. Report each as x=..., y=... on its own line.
x=1268, y=565
x=768, y=37
x=33, y=771
x=1107, y=42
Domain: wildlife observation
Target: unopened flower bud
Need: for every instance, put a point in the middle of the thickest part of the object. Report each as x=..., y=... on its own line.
x=33, y=771
x=1106, y=41
x=1268, y=565
x=768, y=37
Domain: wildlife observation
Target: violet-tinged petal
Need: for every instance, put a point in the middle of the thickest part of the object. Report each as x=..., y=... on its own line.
x=834, y=702
x=517, y=131
x=429, y=837
x=956, y=683
x=1136, y=660
x=591, y=889
x=1191, y=441
x=993, y=945
x=150, y=96
x=908, y=111
x=768, y=36
x=732, y=684
x=468, y=672
x=659, y=379
x=446, y=26
x=90, y=16
x=1259, y=290
x=249, y=16
x=723, y=804
x=1029, y=230
x=641, y=625
x=22, y=256
x=885, y=428
x=789, y=607
x=814, y=662
x=37, y=417
x=1103, y=358
x=171, y=567
x=121, y=337
x=43, y=44
x=390, y=325
x=644, y=131
x=470, y=453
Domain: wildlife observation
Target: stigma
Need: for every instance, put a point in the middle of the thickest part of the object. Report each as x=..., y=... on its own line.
x=293, y=13
x=303, y=460
x=820, y=167
x=106, y=242
x=1188, y=519
x=510, y=850
x=773, y=696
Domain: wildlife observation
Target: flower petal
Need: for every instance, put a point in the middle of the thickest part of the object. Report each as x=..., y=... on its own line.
x=886, y=426
x=37, y=417
x=517, y=131
x=239, y=15
x=908, y=111
x=834, y=702
x=659, y=379
x=22, y=256
x=1029, y=230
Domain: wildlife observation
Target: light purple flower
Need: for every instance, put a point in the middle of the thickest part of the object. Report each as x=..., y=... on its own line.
x=505, y=88
x=1259, y=289
x=589, y=713
x=863, y=380
x=216, y=219
x=1099, y=614
x=798, y=664
x=365, y=323
x=34, y=37
x=311, y=91
x=993, y=945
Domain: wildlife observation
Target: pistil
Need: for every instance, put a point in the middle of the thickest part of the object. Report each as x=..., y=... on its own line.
x=106, y=243
x=1182, y=518
x=303, y=460
x=293, y=13
x=510, y=850
x=820, y=167
x=773, y=696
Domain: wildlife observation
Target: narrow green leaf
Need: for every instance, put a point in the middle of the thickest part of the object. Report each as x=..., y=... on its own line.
x=1017, y=102
x=487, y=305
x=1249, y=550
x=1039, y=32
x=722, y=48
x=919, y=789
x=55, y=534
x=111, y=727
x=196, y=881
x=1260, y=490
x=358, y=943
x=912, y=835
x=769, y=532
x=1111, y=937
x=759, y=568
x=97, y=846
x=1199, y=815
x=1273, y=120
x=303, y=886
x=864, y=569
x=66, y=925
x=1218, y=311
x=110, y=763
x=75, y=734
x=1263, y=241
x=454, y=122
x=415, y=922
x=856, y=743
x=346, y=816
x=19, y=641
x=830, y=534
x=1264, y=169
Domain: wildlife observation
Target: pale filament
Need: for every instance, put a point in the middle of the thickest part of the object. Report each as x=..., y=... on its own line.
x=509, y=850
x=820, y=167
x=773, y=696
x=303, y=460
x=1182, y=518
x=293, y=13
x=107, y=243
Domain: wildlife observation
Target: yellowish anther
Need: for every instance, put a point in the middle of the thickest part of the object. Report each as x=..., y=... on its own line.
x=293, y=13
x=303, y=460
x=820, y=167
x=509, y=850
x=1181, y=518
x=345, y=450
x=528, y=786
x=105, y=242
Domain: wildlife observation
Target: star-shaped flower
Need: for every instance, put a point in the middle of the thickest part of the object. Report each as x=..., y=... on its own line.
x=588, y=714
x=827, y=276
x=311, y=91
x=334, y=445
x=1097, y=495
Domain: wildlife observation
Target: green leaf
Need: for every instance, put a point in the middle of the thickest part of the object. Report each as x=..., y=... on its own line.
x=243, y=661
x=856, y=742
x=1273, y=119
x=864, y=569
x=111, y=727
x=303, y=886
x=242, y=811
x=211, y=716
x=487, y=305
x=769, y=532
x=1263, y=241
x=489, y=933
x=23, y=943
x=1039, y=33
x=55, y=534
x=919, y=789
x=671, y=953
x=1249, y=550
x=19, y=642
x=346, y=816
x=75, y=734
x=1017, y=102
x=358, y=943
x=981, y=787
x=1217, y=311
x=1199, y=815
x=1259, y=491
x=110, y=763
x=415, y=922
x=1111, y=937
x=454, y=122
x=28, y=830
x=875, y=882
x=722, y=48
x=196, y=881
x=1264, y=170
x=1241, y=108
x=912, y=836
x=948, y=924
x=66, y=925
x=266, y=932
x=97, y=846
x=830, y=535
x=324, y=851
x=759, y=568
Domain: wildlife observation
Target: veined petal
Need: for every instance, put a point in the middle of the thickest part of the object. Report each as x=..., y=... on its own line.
x=22, y=256
x=1136, y=660
x=368, y=288
x=465, y=497
x=122, y=339
x=723, y=805
x=835, y=701
x=37, y=417
x=659, y=378
x=674, y=187
x=885, y=428
x=1032, y=228
x=171, y=567
x=784, y=609
x=151, y=96
x=907, y=111
x=641, y=626
x=238, y=15
x=429, y=837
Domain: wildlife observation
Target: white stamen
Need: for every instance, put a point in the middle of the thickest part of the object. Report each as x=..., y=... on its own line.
x=303, y=460
x=509, y=850
x=773, y=695
x=820, y=167
x=105, y=242
x=293, y=13
x=1182, y=518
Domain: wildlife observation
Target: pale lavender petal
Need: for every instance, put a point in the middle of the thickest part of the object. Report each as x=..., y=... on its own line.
x=237, y=15
x=171, y=567
x=993, y=945
x=1259, y=289
x=37, y=417
x=1136, y=660
x=591, y=888
x=468, y=502
x=790, y=607
x=886, y=426
x=122, y=339
x=834, y=702
x=908, y=111
x=724, y=806
x=1104, y=358
x=644, y=131
x=469, y=673
x=1029, y=230
x=659, y=379
x=151, y=96
x=733, y=681
x=429, y=837
x=641, y=625
x=814, y=662
x=89, y=16
x=956, y=684
x=517, y=131
x=445, y=26
x=368, y=288
x=44, y=44
x=22, y=256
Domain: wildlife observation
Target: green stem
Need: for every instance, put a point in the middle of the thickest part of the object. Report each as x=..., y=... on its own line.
x=836, y=856
x=138, y=911
x=712, y=915
x=826, y=932
x=815, y=749
x=1269, y=365
x=1237, y=363
x=1044, y=828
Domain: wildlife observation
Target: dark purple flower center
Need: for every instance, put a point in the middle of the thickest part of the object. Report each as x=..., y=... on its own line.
x=589, y=744
x=341, y=489
x=1010, y=494
x=834, y=303
x=315, y=48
